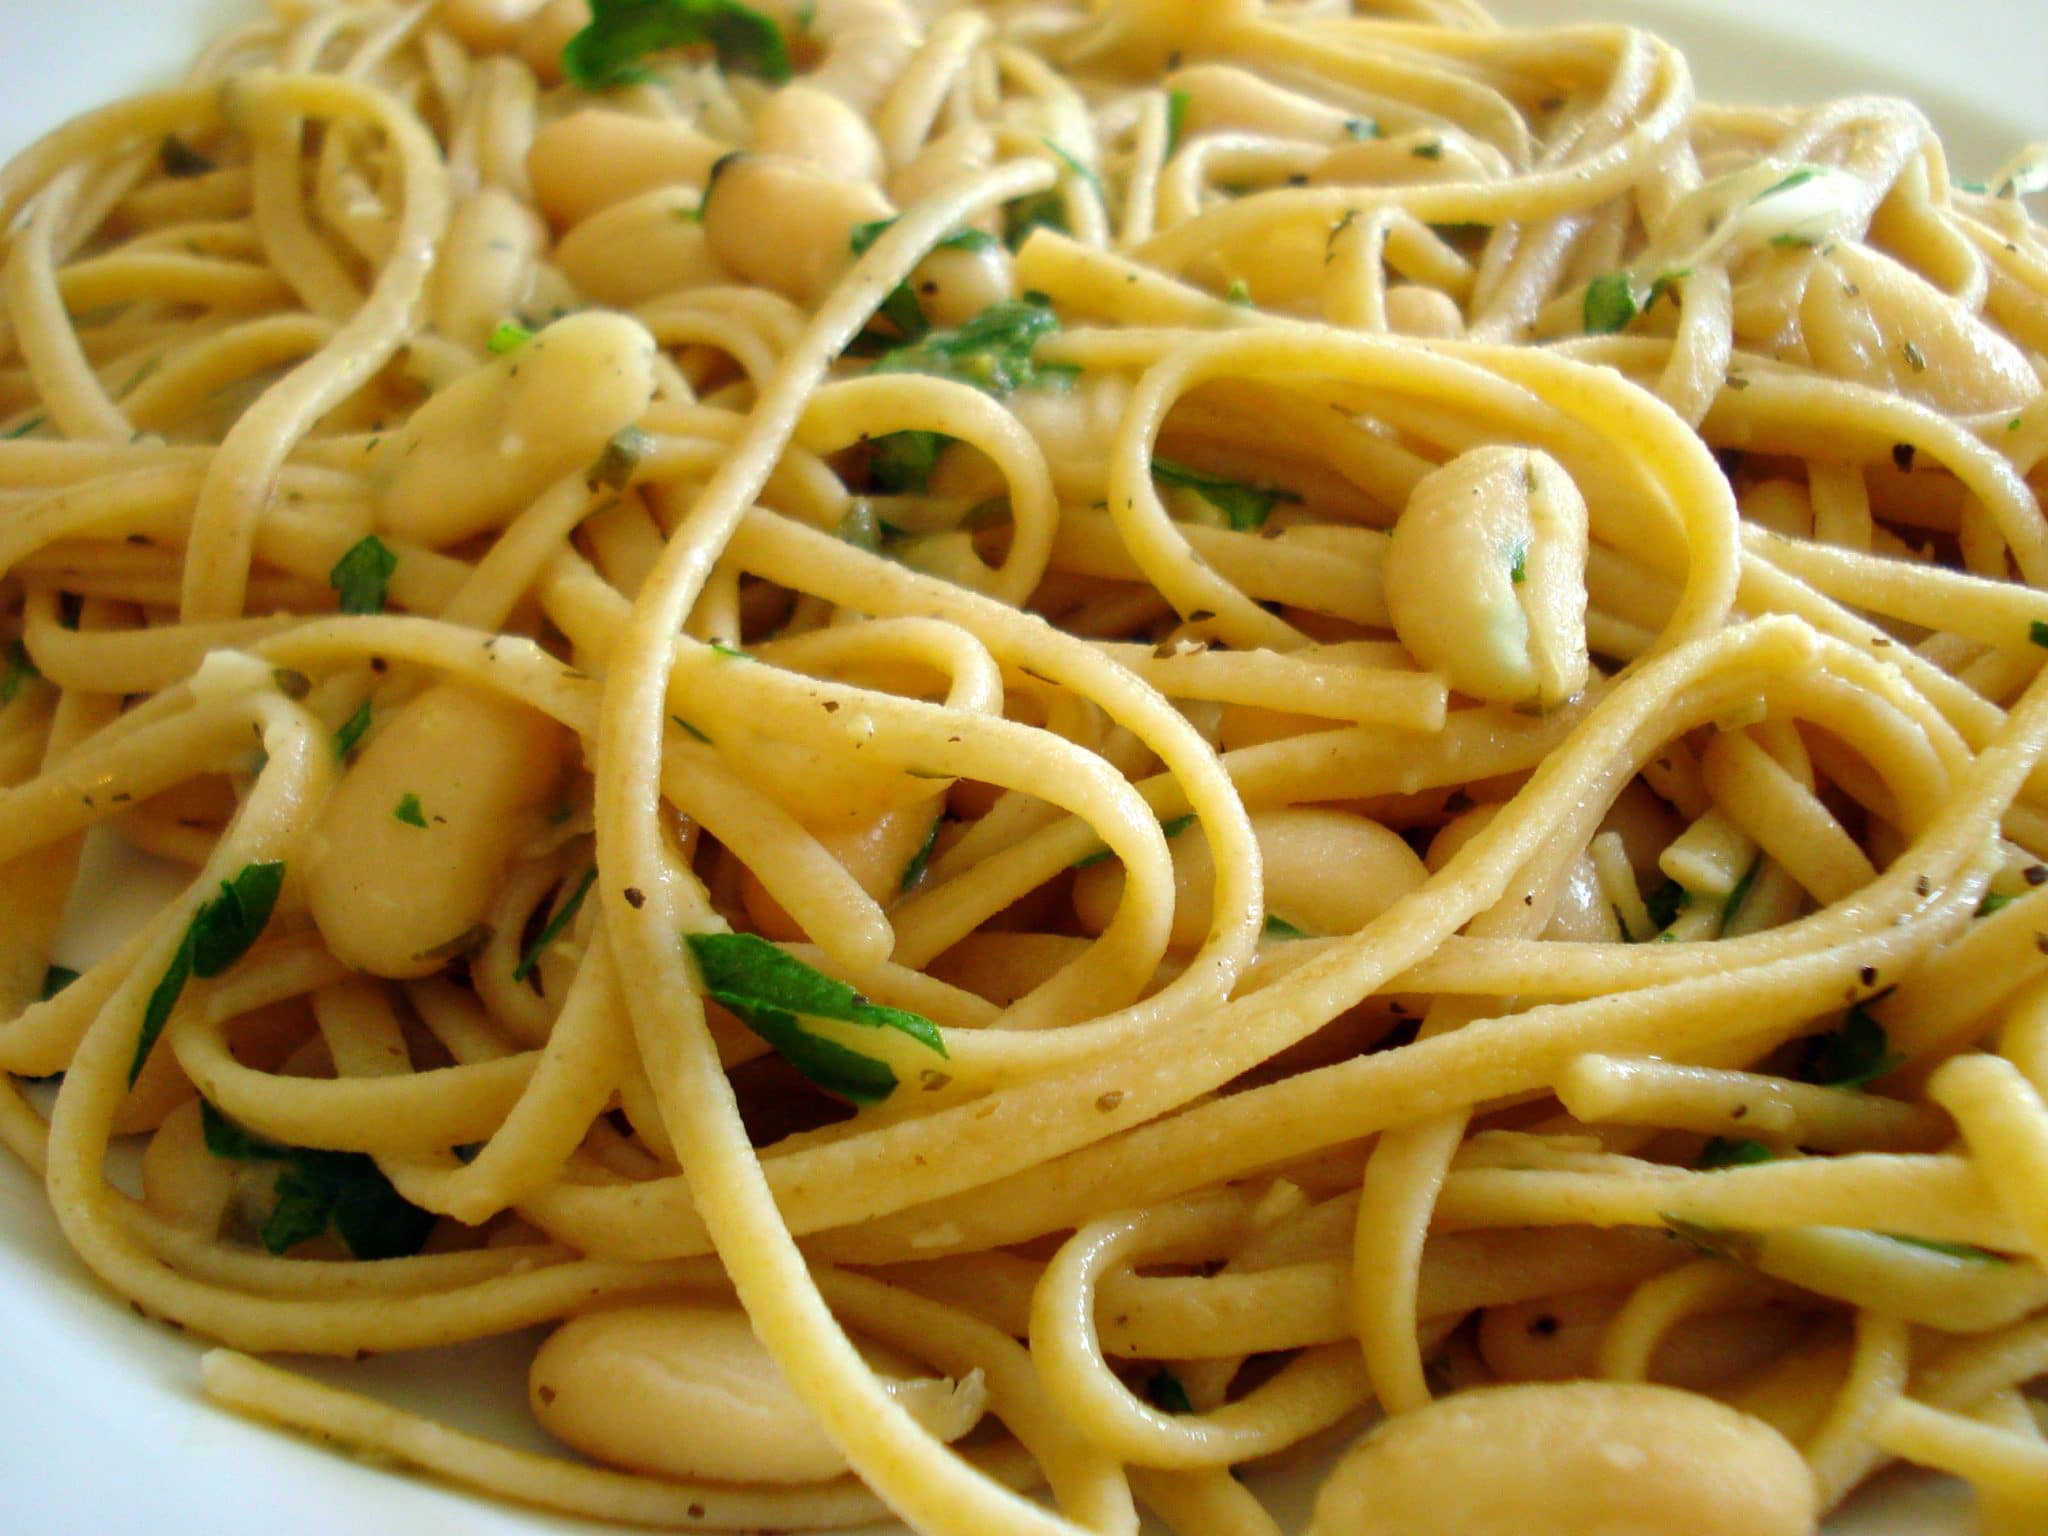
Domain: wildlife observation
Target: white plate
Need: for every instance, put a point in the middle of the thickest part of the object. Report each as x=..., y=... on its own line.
x=101, y=1426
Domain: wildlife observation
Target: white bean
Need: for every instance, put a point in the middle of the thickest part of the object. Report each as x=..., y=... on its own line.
x=1327, y=872
x=1576, y=1459
x=1485, y=576
x=485, y=273
x=647, y=245
x=689, y=1392
x=483, y=448
x=587, y=161
x=388, y=894
x=808, y=124
x=784, y=224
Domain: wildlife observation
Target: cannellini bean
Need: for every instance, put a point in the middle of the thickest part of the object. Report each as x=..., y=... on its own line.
x=1485, y=576
x=784, y=224
x=689, y=1392
x=1869, y=319
x=632, y=251
x=808, y=124
x=387, y=894
x=1582, y=910
x=876, y=855
x=1327, y=872
x=953, y=286
x=1783, y=506
x=488, y=444
x=1578, y=1459
x=1224, y=97
x=487, y=26
x=182, y=1181
x=485, y=273
x=1413, y=310
x=587, y=161
x=547, y=32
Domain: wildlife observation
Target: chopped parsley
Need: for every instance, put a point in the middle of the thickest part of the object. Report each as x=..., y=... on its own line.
x=992, y=351
x=1280, y=928
x=1433, y=150
x=1176, y=119
x=1167, y=829
x=1610, y=304
x=1167, y=1393
x=1732, y=907
x=317, y=1190
x=1666, y=902
x=1798, y=178
x=508, y=337
x=220, y=933
x=1247, y=507
x=621, y=457
x=1993, y=902
x=1040, y=210
x=1968, y=1251
x=408, y=810
x=1851, y=1056
x=901, y=308
x=180, y=161
x=608, y=52
x=363, y=576
x=1239, y=292
x=55, y=979
x=1361, y=128
x=903, y=461
x=2037, y=631
x=20, y=669
x=865, y=235
x=1077, y=168
x=1724, y=1152
x=1915, y=358
x=771, y=992
x=15, y=434
x=682, y=725
x=1518, y=562
x=563, y=916
x=921, y=860
x=352, y=730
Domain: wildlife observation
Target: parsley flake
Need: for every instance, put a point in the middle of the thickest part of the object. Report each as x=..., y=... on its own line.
x=363, y=576
x=1610, y=304
x=1176, y=119
x=19, y=671
x=1724, y=1152
x=608, y=52
x=1167, y=1393
x=564, y=915
x=1851, y=1056
x=508, y=337
x=352, y=730
x=771, y=992
x=1247, y=507
x=992, y=351
x=316, y=1190
x=220, y=933
x=921, y=860
x=408, y=810
x=1280, y=928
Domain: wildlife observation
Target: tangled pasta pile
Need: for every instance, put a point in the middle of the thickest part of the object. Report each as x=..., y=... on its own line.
x=1030, y=746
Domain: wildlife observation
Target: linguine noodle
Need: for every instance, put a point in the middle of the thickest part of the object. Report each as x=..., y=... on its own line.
x=1020, y=751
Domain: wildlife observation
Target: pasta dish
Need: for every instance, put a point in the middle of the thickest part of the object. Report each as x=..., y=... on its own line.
x=1011, y=755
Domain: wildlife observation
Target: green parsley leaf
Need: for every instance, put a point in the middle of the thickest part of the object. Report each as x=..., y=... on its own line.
x=15, y=434
x=992, y=351
x=180, y=161
x=1518, y=562
x=1239, y=292
x=1915, y=358
x=564, y=915
x=902, y=462
x=1176, y=119
x=1280, y=928
x=1167, y=1393
x=1732, y=907
x=623, y=32
x=686, y=728
x=1040, y=210
x=1950, y=1250
x=1433, y=150
x=363, y=576
x=1850, y=1056
x=1361, y=128
x=317, y=1189
x=769, y=991
x=508, y=337
x=902, y=310
x=621, y=457
x=351, y=730
x=1245, y=506
x=20, y=669
x=1077, y=168
x=865, y=235
x=1666, y=902
x=921, y=860
x=1798, y=178
x=1610, y=304
x=220, y=933
x=729, y=652
x=1167, y=829
x=1993, y=902
x=2037, y=632
x=56, y=979
x=1723, y=1152
x=408, y=810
